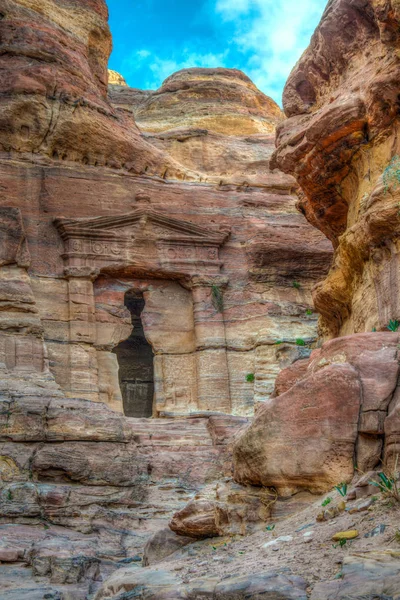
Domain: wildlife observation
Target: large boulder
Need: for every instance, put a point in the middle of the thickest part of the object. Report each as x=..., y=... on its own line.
x=307, y=437
x=224, y=508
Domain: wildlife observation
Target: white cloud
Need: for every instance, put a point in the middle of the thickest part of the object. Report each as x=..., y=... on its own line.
x=274, y=33
x=161, y=67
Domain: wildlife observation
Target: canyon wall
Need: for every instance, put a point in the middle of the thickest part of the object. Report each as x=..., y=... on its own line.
x=172, y=211
x=122, y=195
x=340, y=142
x=110, y=198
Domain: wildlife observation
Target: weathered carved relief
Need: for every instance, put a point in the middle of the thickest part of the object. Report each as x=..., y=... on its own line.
x=191, y=372
x=144, y=239
x=23, y=354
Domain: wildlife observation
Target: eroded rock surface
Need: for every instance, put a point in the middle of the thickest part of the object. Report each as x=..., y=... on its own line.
x=332, y=418
x=163, y=585
x=341, y=143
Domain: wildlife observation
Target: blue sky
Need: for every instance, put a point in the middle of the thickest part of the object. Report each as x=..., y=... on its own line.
x=264, y=38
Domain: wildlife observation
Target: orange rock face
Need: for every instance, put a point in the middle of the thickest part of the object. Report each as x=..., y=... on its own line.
x=132, y=219
x=340, y=141
x=167, y=196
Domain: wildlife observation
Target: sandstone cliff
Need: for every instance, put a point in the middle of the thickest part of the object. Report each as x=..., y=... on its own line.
x=340, y=141
x=136, y=219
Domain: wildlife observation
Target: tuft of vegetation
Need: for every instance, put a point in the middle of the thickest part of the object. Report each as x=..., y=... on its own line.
x=388, y=484
x=250, y=377
x=9, y=495
x=342, y=489
x=309, y=312
x=296, y=285
x=217, y=298
x=393, y=325
x=270, y=527
x=326, y=501
x=391, y=175
x=278, y=342
x=300, y=342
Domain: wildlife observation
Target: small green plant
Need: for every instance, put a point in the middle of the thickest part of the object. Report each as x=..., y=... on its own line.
x=342, y=489
x=396, y=537
x=270, y=527
x=278, y=342
x=309, y=312
x=393, y=325
x=340, y=544
x=391, y=175
x=296, y=285
x=9, y=495
x=388, y=483
x=326, y=501
x=300, y=342
x=250, y=377
x=217, y=298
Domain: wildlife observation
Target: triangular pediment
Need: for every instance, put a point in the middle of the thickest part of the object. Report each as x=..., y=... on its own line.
x=147, y=220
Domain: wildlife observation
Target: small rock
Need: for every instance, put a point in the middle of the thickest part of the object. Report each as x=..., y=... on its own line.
x=378, y=530
x=345, y=535
x=331, y=512
x=304, y=527
x=361, y=506
x=9, y=555
x=308, y=534
x=283, y=538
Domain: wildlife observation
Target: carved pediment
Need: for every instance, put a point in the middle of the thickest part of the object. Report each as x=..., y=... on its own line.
x=142, y=238
x=140, y=222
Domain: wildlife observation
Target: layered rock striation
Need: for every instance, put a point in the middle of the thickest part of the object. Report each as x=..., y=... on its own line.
x=339, y=410
x=340, y=141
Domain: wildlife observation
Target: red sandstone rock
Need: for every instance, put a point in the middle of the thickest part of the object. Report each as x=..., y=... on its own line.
x=304, y=438
x=334, y=410
x=341, y=144
x=224, y=508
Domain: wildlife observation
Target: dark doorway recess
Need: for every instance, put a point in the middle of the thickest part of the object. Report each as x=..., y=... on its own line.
x=135, y=359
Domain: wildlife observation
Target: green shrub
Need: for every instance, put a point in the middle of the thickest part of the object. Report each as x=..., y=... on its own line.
x=300, y=342
x=388, y=483
x=309, y=312
x=342, y=489
x=393, y=325
x=217, y=298
x=250, y=377
x=296, y=285
x=326, y=501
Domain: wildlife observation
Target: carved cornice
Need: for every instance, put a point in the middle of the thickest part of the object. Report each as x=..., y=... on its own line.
x=143, y=239
x=166, y=228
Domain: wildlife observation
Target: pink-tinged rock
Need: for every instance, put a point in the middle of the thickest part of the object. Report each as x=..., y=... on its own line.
x=375, y=357
x=305, y=438
x=288, y=377
x=374, y=574
x=162, y=544
x=392, y=433
x=224, y=508
x=9, y=555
